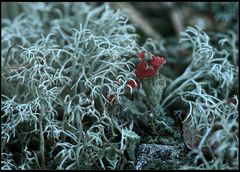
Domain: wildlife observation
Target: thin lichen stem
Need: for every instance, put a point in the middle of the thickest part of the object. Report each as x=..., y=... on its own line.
x=184, y=76
x=172, y=94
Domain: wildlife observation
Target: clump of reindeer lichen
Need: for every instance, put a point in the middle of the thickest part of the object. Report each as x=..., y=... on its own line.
x=59, y=64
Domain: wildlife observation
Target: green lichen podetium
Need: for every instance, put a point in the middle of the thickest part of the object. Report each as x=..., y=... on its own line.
x=159, y=122
x=154, y=87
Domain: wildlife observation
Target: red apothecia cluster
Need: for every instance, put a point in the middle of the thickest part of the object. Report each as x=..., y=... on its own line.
x=143, y=70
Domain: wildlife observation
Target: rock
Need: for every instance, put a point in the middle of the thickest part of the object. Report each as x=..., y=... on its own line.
x=156, y=157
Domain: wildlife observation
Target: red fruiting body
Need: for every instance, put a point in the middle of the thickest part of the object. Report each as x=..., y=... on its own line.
x=143, y=70
x=111, y=99
x=133, y=84
x=157, y=62
x=141, y=55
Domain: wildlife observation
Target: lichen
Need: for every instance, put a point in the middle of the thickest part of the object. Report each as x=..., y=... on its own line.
x=79, y=92
x=63, y=59
x=154, y=87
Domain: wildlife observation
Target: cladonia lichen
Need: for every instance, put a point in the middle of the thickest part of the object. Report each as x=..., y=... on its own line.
x=78, y=91
x=59, y=65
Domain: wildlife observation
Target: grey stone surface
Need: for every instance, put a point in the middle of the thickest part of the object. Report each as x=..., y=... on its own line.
x=155, y=156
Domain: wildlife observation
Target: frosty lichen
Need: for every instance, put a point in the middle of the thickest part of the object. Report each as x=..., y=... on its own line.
x=209, y=113
x=62, y=60
x=207, y=62
x=79, y=92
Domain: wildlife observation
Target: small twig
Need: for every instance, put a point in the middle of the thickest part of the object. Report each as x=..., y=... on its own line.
x=36, y=158
x=8, y=52
x=176, y=18
x=136, y=17
x=42, y=142
x=63, y=124
x=177, y=21
x=17, y=68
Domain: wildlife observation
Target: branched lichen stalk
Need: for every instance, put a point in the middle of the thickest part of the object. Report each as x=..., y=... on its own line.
x=172, y=93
